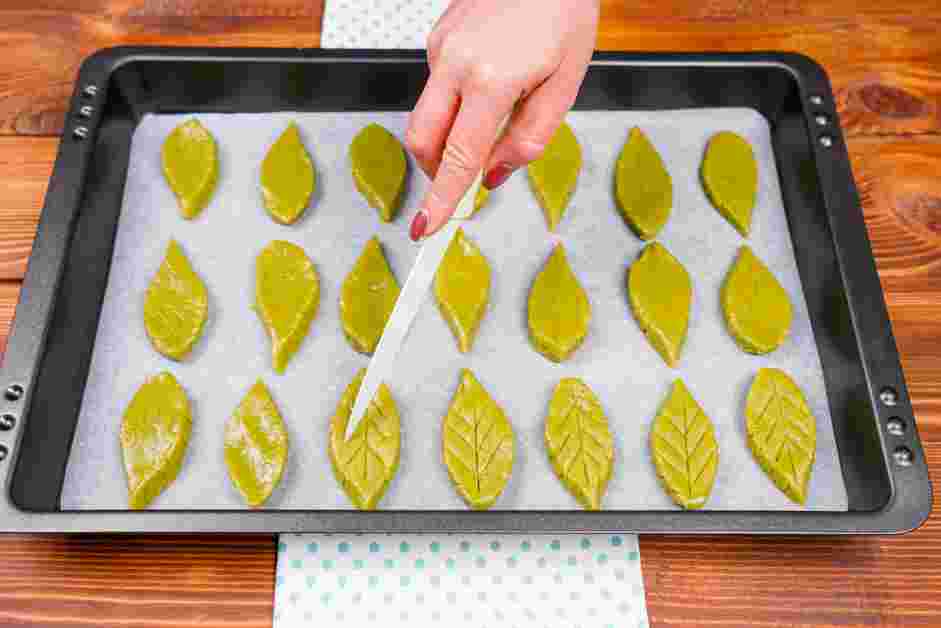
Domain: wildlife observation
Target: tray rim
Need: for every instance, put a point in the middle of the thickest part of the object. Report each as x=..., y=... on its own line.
x=907, y=509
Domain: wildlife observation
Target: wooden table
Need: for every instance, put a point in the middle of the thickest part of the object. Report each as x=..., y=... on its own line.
x=884, y=59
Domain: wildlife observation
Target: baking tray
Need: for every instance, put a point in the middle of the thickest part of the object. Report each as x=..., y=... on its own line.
x=50, y=348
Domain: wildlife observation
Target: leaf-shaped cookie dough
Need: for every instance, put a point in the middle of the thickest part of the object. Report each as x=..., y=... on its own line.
x=366, y=463
x=559, y=311
x=478, y=444
x=684, y=448
x=287, y=295
x=256, y=445
x=782, y=433
x=660, y=292
x=553, y=176
x=154, y=433
x=579, y=442
x=729, y=175
x=176, y=305
x=367, y=297
x=190, y=166
x=288, y=178
x=462, y=288
x=757, y=309
x=379, y=168
x=642, y=186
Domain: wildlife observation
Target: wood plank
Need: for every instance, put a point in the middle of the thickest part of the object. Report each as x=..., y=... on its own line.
x=25, y=167
x=9, y=295
x=884, y=63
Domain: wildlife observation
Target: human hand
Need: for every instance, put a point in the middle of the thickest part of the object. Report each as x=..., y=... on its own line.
x=486, y=56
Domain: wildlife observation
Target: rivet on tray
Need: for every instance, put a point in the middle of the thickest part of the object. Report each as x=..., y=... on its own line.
x=826, y=141
x=903, y=456
x=7, y=421
x=90, y=91
x=13, y=393
x=895, y=426
x=821, y=119
x=816, y=100
x=888, y=396
x=3, y=452
x=86, y=111
x=80, y=132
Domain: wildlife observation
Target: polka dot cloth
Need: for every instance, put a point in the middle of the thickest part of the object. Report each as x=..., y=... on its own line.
x=379, y=23
x=496, y=581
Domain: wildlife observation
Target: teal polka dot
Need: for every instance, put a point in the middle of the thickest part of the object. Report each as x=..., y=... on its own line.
x=585, y=544
x=616, y=541
x=327, y=564
x=435, y=547
x=373, y=581
x=480, y=561
x=404, y=547
x=405, y=581
x=325, y=598
x=389, y=563
x=312, y=548
x=282, y=547
x=602, y=558
x=341, y=582
x=311, y=581
x=450, y=563
x=511, y=561
x=525, y=546
x=420, y=564
x=358, y=563
x=374, y=548
x=495, y=546
x=465, y=546
x=555, y=545
x=572, y=561
x=343, y=547
x=297, y=563
x=633, y=556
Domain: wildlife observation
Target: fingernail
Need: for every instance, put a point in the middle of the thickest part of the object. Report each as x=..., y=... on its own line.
x=497, y=175
x=419, y=223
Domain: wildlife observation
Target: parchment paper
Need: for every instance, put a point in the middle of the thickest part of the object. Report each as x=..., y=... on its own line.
x=615, y=360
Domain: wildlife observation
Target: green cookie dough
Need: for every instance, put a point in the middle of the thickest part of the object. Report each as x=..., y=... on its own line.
x=176, y=305
x=782, y=433
x=559, y=311
x=462, y=289
x=256, y=445
x=483, y=195
x=730, y=177
x=367, y=297
x=757, y=309
x=366, y=463
x=190, y=166
x=660, y=293
x=478, y=444
x=553, y=176
x=642, y=186
x=155, y=431
x=579, y=442
x=287, y=177
x=684, y=449
x=379, y=168
x=287, y=295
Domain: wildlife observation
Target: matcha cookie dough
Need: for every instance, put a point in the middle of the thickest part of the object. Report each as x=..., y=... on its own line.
x=757, y=310
x=660, y=293
x=377, y=160
x=553, y=176
x=366, y=463
x=558, y=309
x=579, y=442
x=782, y=433
x=478, y=444
x=176, y=305
x=288, y=179
x=462, y=289
x=642, y=186
x=155, y=431
x=684, y=449
x=367, y=298
x=287, y=295
x=256, y=446
x=191, y=166
x=729, y=175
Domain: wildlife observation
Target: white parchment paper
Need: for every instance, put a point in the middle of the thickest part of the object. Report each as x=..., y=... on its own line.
x=615, y=360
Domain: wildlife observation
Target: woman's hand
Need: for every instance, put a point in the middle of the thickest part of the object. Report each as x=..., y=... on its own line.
x=485, y=55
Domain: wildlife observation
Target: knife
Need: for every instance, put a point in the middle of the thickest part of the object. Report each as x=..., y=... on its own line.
x=410, y=301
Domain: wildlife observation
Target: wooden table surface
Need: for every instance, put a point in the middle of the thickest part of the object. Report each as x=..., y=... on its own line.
x=884, y=59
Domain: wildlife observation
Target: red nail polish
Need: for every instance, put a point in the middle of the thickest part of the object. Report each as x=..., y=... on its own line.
x=497, y=176
x=419, y=223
